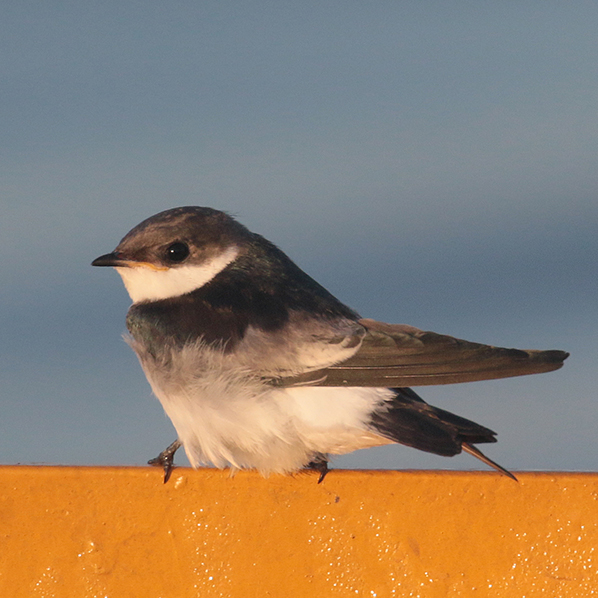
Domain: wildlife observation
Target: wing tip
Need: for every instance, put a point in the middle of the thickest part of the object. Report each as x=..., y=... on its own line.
x=551, y=360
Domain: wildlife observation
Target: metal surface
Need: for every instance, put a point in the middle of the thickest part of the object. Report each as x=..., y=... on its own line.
x=95, y=532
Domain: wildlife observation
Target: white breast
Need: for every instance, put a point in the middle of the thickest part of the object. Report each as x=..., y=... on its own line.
x=228, y=418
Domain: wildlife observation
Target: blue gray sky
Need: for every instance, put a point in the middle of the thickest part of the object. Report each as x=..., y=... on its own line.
x=431, y=163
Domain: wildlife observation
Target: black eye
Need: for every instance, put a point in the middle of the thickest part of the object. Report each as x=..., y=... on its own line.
x=177, y=252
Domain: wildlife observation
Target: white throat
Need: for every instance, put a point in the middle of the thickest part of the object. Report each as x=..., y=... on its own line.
x=145, y=283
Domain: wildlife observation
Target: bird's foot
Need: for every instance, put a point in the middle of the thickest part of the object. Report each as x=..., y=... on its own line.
x=320, y=464
x=166, y=459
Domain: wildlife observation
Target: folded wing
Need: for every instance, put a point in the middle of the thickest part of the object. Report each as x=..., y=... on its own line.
x=396, y=355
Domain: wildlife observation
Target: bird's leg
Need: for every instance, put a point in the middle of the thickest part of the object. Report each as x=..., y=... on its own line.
x=319, y=463
x=166, y=459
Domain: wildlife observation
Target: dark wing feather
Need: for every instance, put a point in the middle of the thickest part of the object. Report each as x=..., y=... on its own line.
x=395, y=355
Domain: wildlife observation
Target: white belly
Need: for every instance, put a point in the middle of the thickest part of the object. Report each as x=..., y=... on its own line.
x=234, y=421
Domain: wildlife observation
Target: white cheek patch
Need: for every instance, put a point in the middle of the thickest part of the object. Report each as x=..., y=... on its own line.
x=146, y=283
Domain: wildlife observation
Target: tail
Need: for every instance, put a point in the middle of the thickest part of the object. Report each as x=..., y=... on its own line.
x=409, y=420
x=477, y=453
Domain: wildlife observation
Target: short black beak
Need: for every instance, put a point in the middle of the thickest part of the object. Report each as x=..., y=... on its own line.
x=110, y=259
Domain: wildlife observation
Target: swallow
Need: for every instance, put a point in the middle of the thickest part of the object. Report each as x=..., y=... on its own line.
x=258, y=366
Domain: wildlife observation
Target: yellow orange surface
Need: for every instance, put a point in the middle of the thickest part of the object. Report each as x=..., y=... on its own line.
x=118, y=532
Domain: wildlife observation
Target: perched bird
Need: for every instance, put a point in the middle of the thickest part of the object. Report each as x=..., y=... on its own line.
x=258, y=366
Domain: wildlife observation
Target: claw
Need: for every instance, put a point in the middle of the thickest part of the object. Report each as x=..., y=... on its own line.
x=320, y=464
x=166, y=459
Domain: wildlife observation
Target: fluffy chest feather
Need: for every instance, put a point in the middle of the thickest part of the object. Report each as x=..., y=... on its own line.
x=227, y=416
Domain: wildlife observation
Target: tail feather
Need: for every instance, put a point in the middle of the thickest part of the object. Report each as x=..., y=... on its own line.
x=409, y=420
x=477, y=453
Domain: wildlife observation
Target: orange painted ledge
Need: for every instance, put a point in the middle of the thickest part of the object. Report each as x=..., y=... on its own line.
x=119, y=532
